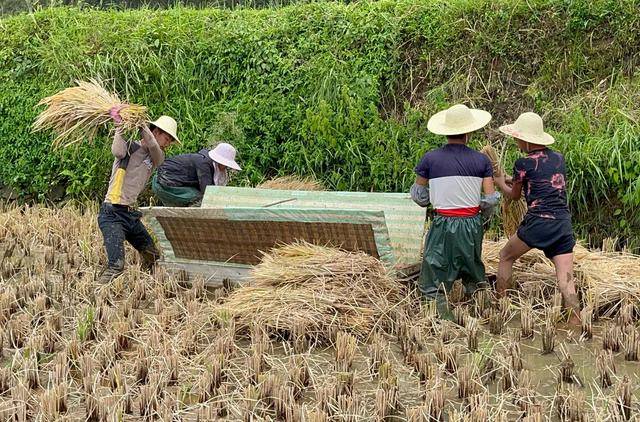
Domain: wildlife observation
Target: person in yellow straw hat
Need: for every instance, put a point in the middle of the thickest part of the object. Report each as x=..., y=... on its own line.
x=133, y=165
x=541, y=175
x=452, y=179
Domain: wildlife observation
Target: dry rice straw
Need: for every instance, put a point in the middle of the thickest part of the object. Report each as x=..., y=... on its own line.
x=293, y=182
x=331, y=289
x=77, y=112
x=604, y=279
x=512, y=211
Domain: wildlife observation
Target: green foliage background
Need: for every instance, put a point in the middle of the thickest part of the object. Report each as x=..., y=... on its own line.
x=8, y=7
x=341, y=91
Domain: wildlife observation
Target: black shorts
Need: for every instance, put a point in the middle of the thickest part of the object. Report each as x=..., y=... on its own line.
x=553, y=237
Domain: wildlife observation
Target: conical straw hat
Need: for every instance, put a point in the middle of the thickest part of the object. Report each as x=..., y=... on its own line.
x=169, y=125
x=529, y=128
x=457, y=120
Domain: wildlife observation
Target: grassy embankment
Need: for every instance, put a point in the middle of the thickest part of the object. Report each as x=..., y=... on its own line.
x=340, y=91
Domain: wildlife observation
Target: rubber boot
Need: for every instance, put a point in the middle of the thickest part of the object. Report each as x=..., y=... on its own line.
x=444, y=310
x=110, y=273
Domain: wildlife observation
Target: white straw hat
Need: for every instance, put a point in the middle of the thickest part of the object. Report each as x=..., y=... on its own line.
x=224, y=154
x=529, y=128
x=457, y=120
x=168, y=125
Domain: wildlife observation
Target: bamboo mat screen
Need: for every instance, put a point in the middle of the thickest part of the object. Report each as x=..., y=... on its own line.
x=241, y=242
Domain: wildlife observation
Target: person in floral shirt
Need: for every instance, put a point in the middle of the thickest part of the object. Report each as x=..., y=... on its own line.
x=541, y=176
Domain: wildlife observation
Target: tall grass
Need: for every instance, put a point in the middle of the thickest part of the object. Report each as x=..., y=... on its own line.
x=599, y=137
x=339, y=91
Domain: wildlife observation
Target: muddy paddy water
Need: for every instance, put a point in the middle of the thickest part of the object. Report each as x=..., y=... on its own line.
x=533, y=389
x=159, y=348
x=156, y=347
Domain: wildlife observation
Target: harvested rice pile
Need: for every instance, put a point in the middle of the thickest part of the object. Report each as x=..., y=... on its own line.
x=605, y=279
x=76, y=113
x=512, y=211
x=292, y=183
x=329, y=289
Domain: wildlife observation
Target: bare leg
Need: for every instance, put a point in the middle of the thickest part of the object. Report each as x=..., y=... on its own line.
x=513, y=250
x=567, y=285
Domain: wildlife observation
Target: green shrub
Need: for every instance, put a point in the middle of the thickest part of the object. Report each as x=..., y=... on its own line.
x=339, y=91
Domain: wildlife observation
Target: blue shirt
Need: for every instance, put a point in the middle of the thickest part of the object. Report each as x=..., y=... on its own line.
x=455, y=174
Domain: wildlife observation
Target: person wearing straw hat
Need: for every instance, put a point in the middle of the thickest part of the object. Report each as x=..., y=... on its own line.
x=452, y=179
x=133, y=165
x=541, y=176
x=182, y=179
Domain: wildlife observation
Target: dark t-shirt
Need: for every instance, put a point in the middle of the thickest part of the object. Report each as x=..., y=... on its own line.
x=454, y=160
x=543, y=177
x=188, y=170
x=455, y=174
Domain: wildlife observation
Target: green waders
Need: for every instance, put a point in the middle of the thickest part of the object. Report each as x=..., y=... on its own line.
x=172, y=196
x=453, y=250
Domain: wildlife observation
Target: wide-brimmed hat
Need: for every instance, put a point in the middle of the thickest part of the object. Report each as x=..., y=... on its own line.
x=168, y=125
x=457, y=120
x=225, y=154
x=529, y=128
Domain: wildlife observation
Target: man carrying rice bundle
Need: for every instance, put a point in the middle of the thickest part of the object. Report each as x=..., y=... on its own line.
x=453, y=179
x=541, y=175
x=132, y=167
x=182, y=179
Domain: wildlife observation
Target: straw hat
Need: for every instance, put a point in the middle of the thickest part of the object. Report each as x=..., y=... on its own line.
x=457, y=120
x=529, y=128
x=168, y=125
x=224, y=154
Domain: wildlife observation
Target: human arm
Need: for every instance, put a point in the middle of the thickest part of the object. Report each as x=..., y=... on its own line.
x=511, y=187
x=487, y=185
x=119, y=145
x=512, y=192
x=420, y=191
x=151, y=144
x=489, y=198
x=420, y=188
x=204, y=170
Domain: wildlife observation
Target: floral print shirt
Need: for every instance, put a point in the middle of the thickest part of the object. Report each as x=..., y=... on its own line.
x=543, y=177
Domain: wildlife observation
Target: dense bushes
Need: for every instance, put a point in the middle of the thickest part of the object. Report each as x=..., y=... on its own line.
x=340, y=91
x=8, y=7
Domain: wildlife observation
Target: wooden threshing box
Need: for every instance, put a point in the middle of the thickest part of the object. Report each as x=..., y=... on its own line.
x=226, y=236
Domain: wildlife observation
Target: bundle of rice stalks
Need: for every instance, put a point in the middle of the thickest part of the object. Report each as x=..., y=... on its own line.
x=570, y=404
x=472, y=334
x=624, y=398
x=292, y=182
x=492, y=154
x=526, y=320
x=608, y=279
x=331, y=289
x=512, y=211
x=76, y=113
